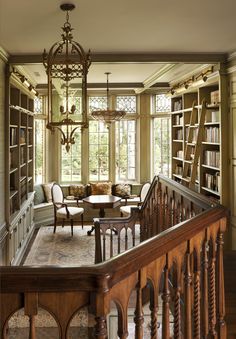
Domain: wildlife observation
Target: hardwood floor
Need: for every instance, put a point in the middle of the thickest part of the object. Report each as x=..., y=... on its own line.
x=230, y=292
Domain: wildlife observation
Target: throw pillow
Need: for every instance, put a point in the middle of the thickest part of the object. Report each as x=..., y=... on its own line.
x=47, y=191
x=78, y=191
x=122, y=190
x=103, y=188
x=39, y=196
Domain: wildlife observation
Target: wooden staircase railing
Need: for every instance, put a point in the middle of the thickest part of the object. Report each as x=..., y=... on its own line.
x=182, y=263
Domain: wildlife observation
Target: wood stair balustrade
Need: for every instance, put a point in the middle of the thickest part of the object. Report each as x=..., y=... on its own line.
x=191, y=253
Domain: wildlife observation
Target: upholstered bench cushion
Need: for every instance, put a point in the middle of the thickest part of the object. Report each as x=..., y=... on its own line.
x=74, y=212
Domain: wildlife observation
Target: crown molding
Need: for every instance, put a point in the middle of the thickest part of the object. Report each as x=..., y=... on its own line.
x=231, y=56
x=133, y=57
x=4, y=55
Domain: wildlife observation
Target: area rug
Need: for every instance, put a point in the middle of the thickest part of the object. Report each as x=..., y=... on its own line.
x=62, y=249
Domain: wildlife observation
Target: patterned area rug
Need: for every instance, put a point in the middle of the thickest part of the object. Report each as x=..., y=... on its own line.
x=62, y=249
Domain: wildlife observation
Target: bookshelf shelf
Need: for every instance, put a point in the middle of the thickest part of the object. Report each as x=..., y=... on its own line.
x=211, y=191
x=211, y=167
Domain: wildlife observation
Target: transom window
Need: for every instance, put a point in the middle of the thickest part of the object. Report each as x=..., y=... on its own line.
x=126, y=103
x=162, y=103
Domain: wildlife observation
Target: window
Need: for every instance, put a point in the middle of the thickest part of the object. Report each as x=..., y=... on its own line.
x=98, y=151
x=161, y=146
x=126, y=103
x=39, y=162
x=161, y=135
x=98, y=143
x=126, y=140
x=71, y=161
x=39, y=141
x=125, y=150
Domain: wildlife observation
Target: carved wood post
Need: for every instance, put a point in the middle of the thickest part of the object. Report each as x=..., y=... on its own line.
x=166, y=303
x=100, y=328
x=139, y=319
x=177, y=311
x=196, y=297
x=222, y=329
x=212, y=291
x=154, y=310
x=31, y=309
x=187, y=292
x=204, y=309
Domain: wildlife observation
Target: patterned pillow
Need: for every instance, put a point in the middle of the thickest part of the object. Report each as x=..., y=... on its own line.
x=122, y=190
x=47, y=191
x=103, y=188
x=78, y=191
x=39, y=196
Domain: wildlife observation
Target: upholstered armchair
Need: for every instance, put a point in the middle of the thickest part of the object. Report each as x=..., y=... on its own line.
x=63, y=212
x=125, y=211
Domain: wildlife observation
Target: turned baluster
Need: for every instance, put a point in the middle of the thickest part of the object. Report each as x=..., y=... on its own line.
x=204, y=309
x=100, y=328
x=177, y=310
x=222, y=330
x=154, y=309
x=139, y=319
x=187, y=292
x=104, y=246
x=166, y=304
x=196, y=298
x=212, y=294
x=111, y=243
x=32, y=331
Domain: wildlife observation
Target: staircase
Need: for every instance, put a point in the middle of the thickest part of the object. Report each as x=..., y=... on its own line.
x=230, y=292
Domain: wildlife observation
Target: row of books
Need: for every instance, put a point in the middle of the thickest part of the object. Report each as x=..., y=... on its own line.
x=178, y=169
x=212, y=181
x=212, y=134
x=180, y=154
x=177, y=105
x=212, y=158
x=13, y=136
x=179, y=134
x=213, y=116
x=178, y=120
x=194, y=133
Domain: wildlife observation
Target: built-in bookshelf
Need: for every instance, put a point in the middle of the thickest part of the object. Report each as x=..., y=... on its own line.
x=19, y=164
x=210, y=175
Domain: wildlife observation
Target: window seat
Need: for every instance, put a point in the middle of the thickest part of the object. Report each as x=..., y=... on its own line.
x=44, y=211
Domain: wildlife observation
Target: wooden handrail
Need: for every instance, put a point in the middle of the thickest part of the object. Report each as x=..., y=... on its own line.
x=186, y=256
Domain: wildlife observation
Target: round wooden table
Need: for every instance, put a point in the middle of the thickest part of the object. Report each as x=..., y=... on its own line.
x=101, y=202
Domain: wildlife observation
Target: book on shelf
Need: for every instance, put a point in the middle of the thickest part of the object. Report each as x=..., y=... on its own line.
x=179, y=134
x=13, y=136
x=178, y=169
x=215, y=97
x=177, y=105
x=212, y=134
x=22, y=136
x=179, y=154
x=212, y=158
x=212, y=181
x=22, y=156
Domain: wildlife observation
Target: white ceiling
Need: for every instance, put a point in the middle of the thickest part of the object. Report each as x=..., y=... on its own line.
x=124, y=26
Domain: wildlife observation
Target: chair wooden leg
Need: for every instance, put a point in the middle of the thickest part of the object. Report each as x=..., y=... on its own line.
x=71, y=222
x=82, y=221
x=55, y=225
x=63, y=222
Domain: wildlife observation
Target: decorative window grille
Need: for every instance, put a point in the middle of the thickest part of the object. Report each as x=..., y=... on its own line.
x=96, y=103
x=39, y=159
x=125, y=150
x=38, y=105
x=98, y=151
x=71, y=161
x=126, y=103
x=162, y=103
x=161, y=145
